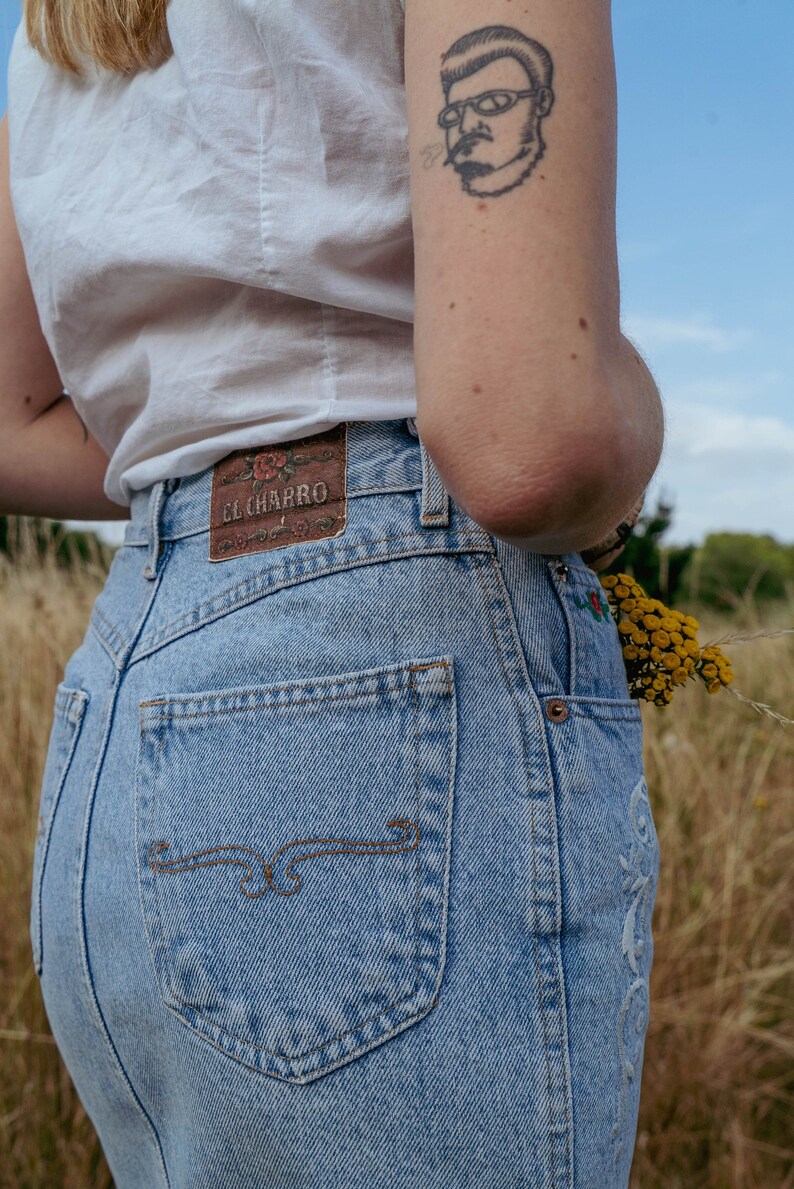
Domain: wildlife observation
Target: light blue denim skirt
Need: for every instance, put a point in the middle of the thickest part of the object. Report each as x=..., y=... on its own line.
x=346, y=865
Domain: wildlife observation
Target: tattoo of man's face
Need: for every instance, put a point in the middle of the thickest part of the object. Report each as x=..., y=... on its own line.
x=497, y=91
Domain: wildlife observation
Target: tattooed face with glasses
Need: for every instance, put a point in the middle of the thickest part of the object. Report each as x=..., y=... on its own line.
x=497, y=86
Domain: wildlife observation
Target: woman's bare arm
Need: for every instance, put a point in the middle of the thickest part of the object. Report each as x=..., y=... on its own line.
x=545, y=423
x=49, y=464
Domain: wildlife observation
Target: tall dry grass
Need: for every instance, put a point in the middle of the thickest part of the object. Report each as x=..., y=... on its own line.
x=718, y=1082
x=45, y=1138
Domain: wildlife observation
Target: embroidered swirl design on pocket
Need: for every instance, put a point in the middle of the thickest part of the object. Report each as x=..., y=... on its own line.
x=254, y=863
x=639, y=885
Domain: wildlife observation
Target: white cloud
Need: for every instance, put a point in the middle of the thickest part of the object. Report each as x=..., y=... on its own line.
x=724, y=390
x=738, y=439
x=655, y=333
x=696, y=431
x=726, y=471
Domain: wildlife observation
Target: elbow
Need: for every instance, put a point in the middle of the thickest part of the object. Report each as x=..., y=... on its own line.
x=557, y=465
x=562, y=512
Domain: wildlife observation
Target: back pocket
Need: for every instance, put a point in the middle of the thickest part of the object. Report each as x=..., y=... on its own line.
x=294, y=848
x=69, y=709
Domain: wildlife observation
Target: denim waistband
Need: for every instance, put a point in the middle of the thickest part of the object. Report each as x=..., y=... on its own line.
x=382, y=456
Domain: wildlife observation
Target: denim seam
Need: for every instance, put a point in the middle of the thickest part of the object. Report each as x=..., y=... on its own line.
x=310, y=682
x=115, y=650
x=549, y=805
x=276, y=705
x=377, y=488
x=332, y=552
x=598, y=700
x=560, y=977
x=303, y=1080
x=103, y=1029
x=259, y=587
x=569, y=627
x=353, y=1054
x=306, y=683
x=44, y=850
x=417, y=795
x=177, y=999
x=609, y=717
x=509, y=687
x=537, y=947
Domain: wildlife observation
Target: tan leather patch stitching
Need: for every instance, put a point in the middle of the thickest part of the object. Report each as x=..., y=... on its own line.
x=278, y=495
x=252, y=861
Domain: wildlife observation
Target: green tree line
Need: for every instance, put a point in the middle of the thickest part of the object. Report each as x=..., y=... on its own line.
x=722, y=572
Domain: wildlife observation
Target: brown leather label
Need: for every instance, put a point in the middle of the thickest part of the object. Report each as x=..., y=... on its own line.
x=274, y=496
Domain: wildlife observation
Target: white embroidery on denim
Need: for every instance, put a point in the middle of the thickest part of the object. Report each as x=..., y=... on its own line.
x=629, y=1056
x=638, y=884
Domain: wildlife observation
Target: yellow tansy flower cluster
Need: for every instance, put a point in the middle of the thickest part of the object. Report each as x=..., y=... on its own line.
x=660, y=647
x=716, y=669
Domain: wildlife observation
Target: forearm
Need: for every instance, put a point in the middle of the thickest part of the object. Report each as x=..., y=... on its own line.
x=51, y=466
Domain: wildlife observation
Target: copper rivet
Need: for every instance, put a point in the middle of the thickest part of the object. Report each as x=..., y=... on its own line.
x=556, y=710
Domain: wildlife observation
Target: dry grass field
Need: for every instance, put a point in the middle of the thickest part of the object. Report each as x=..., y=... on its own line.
x=718, y=1082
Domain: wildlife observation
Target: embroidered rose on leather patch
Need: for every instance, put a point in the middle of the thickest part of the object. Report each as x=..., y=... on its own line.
x=270, y=463
x=277, y=495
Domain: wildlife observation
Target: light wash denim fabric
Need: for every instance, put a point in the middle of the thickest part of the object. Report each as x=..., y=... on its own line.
x=346, y=867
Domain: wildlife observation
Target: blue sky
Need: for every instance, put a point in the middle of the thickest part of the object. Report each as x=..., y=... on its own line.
x=705, y=190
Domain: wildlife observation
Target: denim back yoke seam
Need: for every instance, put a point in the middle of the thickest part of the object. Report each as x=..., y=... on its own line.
x=391, y=452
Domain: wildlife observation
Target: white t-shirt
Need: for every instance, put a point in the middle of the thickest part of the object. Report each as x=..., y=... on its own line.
x=221, y=249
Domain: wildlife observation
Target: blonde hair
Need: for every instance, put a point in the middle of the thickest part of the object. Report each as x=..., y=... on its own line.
x=120, y=35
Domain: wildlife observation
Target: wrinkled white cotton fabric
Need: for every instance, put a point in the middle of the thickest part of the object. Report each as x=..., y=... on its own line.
x=221, y=249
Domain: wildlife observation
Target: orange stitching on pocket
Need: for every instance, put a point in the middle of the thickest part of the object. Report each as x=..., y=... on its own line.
x=296, y=685
x=265, y=705
x=233, y=855
x=286, y=705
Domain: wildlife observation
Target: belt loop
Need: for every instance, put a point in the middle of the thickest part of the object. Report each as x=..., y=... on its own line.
x=157, y=498
x=435, y=500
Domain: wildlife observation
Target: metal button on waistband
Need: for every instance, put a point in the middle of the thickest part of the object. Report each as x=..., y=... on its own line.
x=556, y=710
